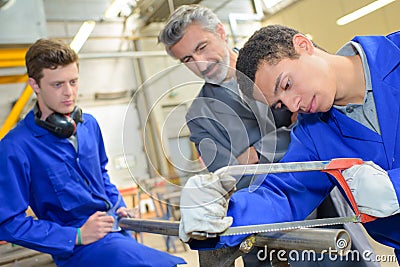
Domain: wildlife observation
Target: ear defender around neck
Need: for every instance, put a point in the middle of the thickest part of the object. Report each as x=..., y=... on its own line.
x=61, y=125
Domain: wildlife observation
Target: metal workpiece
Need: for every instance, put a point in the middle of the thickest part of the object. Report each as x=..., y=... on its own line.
x=318, y=240
x=314, y=240
x=162, y=227
x=333, y=241
x=223, y=257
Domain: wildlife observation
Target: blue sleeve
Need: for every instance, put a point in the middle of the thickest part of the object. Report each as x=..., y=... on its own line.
x=15, y=226
x=395, y=38
x=281, y=197
x=394, y=176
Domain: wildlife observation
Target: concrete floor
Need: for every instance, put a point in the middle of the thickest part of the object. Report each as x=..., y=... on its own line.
x=191, y=257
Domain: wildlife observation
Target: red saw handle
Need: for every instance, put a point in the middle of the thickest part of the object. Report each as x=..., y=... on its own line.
x=335, y=168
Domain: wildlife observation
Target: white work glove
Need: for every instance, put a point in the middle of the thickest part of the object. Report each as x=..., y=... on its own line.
x=203, y=206
x=372, y=189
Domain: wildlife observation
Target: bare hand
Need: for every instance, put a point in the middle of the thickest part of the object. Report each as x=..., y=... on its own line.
x=96, y=227
x=250, y=156
x=130, y=213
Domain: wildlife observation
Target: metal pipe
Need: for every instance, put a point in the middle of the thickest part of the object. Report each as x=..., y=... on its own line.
x=334, y=241
x=131, y=54
x=171, y=6
x=162, y=227
x=224, y=257
x=146, y=117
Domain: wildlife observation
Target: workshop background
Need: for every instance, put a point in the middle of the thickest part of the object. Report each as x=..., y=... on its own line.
x=136, y=91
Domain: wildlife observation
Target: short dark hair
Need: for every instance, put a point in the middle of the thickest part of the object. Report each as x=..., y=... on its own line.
x=48, y=54
x=269, y=44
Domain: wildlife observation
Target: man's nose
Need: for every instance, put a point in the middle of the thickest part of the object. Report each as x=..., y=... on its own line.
x=201, y=64
x=291, y=104
x=68, y=89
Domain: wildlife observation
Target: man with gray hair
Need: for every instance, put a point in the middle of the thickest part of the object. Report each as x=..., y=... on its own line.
x=225, y=129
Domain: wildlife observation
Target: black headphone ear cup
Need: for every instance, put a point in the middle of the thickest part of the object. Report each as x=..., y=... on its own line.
x=62, y=125
x=76, y=115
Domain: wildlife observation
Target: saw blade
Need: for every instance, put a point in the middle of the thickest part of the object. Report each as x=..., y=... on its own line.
x=235, y=170
x=274, y=227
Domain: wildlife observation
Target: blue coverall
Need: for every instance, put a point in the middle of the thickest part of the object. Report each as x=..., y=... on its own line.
x=323, y=136
x=63, y=187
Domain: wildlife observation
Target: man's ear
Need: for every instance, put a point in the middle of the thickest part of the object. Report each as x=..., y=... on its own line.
x=302, y=44
x=35, y=86
x=221, y=31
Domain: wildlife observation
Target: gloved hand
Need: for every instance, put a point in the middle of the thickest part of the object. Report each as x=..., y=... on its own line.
x=372, y=189
x=204, y=203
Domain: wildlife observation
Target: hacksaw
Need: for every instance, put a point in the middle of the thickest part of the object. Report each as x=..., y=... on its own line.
x=334, y=167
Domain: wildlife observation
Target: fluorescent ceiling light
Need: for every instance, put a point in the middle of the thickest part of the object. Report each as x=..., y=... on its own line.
x=82, y=35
x=363, y=11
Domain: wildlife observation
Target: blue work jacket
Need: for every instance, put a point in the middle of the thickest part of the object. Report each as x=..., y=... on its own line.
x=323, y=136
x=61, y=185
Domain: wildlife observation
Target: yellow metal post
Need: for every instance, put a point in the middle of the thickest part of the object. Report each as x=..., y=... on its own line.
x=11, y=58
x=16, y=111
x=13, y=79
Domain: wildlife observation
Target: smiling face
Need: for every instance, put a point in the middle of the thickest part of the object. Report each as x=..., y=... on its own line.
x=57, y=89
x=305, y=84
x=205, y=53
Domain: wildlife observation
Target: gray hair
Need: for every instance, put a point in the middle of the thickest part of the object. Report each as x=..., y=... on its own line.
x=181, y=18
